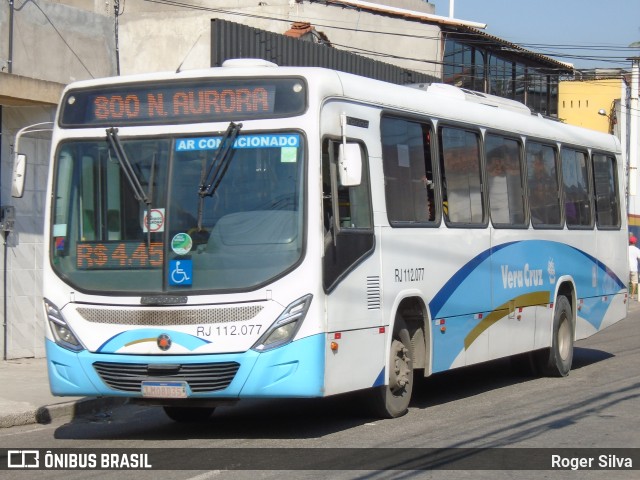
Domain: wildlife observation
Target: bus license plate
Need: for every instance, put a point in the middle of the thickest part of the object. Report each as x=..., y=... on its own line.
x=164, y=389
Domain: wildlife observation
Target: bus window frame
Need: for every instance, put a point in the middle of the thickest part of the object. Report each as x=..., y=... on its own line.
x=616, y=185
x=523, y=178
x=558, y=162
x=341, y=248
x=432, y=124
x=590, y=193
x=476, y=130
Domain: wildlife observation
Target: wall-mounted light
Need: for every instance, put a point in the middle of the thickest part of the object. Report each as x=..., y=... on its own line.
x=612, y=118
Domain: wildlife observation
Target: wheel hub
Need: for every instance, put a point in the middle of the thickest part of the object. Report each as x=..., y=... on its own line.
x=400, y=368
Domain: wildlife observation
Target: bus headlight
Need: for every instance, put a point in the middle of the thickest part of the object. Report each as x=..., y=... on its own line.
x=62, y=333
x=286, y=326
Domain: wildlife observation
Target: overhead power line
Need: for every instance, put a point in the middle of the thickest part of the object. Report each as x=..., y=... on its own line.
x=472, y=37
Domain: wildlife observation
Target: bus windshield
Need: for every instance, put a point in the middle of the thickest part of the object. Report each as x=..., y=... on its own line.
x=241, y=234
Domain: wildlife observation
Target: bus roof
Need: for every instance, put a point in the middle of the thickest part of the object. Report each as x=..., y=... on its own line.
x=440, y=101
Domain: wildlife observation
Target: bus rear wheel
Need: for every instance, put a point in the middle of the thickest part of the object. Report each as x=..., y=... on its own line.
x=556, y=361
x=188, y=414
x=392, y=400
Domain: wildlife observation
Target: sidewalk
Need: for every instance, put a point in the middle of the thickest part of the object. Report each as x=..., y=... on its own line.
x=25, y=397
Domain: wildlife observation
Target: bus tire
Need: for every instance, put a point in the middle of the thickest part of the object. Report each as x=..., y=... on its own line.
x=392, y=400
x=188, y=414
x=556, y=361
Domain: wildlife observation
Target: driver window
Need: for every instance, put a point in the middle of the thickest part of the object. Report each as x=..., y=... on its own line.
x=350, y=206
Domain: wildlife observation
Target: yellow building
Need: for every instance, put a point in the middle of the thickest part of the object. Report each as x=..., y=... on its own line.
x=580, y=101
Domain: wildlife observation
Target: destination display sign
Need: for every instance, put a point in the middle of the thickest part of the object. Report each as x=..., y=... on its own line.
x=173, y=102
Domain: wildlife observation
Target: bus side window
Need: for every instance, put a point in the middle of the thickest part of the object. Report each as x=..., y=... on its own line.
x=504, y=174
x=604, y=181
x=542, y=179
x=408, y=171
x=461, y=181
x=577, y=189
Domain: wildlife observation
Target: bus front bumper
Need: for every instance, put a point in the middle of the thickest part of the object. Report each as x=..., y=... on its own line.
x=293, y=370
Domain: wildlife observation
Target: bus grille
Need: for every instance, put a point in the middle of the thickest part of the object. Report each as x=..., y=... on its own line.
x=201, y=377
x=156, y=317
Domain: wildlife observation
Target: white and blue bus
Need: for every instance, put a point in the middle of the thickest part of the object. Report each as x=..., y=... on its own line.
x=255, y=231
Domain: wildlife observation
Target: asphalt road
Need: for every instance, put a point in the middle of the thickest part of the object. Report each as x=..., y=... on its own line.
x=481, y=407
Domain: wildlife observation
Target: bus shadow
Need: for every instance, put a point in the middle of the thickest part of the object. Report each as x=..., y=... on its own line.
x=291, y=419
x=476, y=379
x=247, y=419
x=583, y=357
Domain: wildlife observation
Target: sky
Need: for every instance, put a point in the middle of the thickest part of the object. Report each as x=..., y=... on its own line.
x=585, y=33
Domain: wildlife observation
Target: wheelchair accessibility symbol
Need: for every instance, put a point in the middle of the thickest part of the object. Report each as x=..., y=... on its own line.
x=180, y=272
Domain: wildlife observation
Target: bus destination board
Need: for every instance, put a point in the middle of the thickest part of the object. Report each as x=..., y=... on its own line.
x=142, y=104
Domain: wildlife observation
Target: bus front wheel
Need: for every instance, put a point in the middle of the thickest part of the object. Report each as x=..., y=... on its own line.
x=392, y=400
x=556, y=361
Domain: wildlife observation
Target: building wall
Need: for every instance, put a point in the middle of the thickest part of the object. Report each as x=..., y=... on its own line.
x=580, y=101
x=54, y=43
x=58, y=42
x=21, y=254
x=184, y=42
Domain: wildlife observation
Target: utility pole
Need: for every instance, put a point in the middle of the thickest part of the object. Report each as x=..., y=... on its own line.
x=10, y=61
x=633, y=127
x=117, y=13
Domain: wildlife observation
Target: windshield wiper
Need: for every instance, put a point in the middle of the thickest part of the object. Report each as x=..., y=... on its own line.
x=134, y=182
x=220, y=163
x=127, y=168
x=218, y=167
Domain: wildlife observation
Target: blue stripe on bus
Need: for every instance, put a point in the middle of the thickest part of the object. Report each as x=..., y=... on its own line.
x=454, y=282
x=380, y=380
x=522, y=274
x=601, y=266
x=469, y=286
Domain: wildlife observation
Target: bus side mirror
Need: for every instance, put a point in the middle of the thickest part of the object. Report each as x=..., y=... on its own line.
x=19, y=168
x=350, y=164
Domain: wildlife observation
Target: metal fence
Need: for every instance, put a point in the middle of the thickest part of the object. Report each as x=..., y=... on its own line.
x=232, y=40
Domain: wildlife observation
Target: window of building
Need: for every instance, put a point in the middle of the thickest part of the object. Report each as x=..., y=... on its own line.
x=463, y=66
x=520, y=82
x=501, y=77
x=473, y=66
